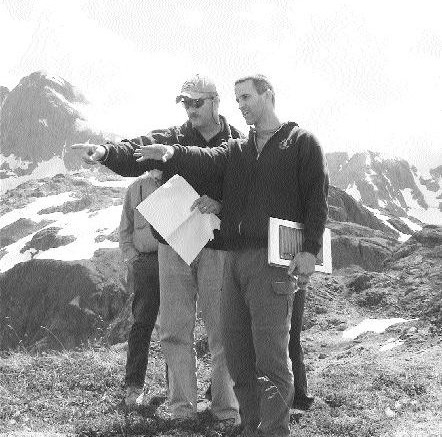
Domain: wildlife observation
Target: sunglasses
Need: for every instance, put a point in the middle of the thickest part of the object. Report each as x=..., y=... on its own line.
x=194, y=103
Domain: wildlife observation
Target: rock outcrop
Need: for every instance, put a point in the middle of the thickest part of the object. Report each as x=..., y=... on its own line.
x=410, y=284
x=392, y=186
x=60, y=304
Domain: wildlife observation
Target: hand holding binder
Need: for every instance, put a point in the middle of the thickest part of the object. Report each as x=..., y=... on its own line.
x=286, y=239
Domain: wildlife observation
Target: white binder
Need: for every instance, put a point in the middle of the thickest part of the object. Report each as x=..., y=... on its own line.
x=285, y=241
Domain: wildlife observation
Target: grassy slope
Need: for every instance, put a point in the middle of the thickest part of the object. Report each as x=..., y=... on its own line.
x=359, y=390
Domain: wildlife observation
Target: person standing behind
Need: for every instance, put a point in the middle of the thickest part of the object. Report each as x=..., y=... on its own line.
x=280, y=171
x=181, y=285
x=139, y=249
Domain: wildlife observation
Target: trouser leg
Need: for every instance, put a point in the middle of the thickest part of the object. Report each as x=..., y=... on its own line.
x=256, y=322
x=210, y=274
x=177, y=321
x=270, y=293
x=238, y=343
x=145, y=307
x=295, y=348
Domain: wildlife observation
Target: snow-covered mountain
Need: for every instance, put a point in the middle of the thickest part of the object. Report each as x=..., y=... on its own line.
x=39, y=119
x=389, y=187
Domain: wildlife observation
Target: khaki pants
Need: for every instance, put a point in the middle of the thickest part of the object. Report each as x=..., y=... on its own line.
x=180, y=287
x=256, y=308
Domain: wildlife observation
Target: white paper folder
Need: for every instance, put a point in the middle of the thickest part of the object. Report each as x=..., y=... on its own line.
x=286, y=239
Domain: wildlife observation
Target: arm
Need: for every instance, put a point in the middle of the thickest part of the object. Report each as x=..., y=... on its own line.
x=313, y=183
x=120, y=157
x=189, y=161
x=126, y=229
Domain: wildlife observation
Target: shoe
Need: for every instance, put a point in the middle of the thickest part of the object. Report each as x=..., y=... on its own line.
x=303, y=403
x=135, y=397
x=226, y=426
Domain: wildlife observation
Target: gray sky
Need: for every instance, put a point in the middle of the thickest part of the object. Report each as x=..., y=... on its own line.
x=360, y=75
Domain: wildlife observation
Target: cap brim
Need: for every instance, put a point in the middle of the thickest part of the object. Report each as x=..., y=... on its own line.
x=196, y=95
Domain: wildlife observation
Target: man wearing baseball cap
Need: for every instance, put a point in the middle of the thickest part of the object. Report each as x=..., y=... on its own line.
x=181, y=285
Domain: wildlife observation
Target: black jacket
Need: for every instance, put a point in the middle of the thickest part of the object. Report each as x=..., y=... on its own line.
x=289, y=180
x=119, y=158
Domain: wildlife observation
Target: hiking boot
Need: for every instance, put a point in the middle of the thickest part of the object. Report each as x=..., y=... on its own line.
x=227, y=426
x=135, y=397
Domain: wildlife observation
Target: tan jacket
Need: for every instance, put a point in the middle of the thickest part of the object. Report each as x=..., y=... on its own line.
x=135, y=232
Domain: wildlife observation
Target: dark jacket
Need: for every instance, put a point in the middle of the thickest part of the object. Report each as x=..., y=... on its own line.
x=289, y=180
x=119, y=158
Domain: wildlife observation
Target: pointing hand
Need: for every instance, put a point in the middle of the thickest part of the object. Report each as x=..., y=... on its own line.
x=91, y=153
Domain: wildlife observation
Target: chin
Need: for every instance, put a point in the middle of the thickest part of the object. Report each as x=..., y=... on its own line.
x=194, y=123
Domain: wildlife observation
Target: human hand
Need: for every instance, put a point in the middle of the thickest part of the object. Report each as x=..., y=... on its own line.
x=302, y=266
x=206, y=205
x=91, y=153
x=158, y=152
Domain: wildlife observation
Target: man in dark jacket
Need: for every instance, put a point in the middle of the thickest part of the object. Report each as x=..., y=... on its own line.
x=280, y=171
x=180, y=284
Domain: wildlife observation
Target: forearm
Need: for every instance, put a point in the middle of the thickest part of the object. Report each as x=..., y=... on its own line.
x=196, y=162
x=120, y=159
x=316, y=182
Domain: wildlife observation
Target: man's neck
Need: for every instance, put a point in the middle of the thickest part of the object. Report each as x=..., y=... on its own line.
x=265, y=129
x=209, y=131
x=268, y=123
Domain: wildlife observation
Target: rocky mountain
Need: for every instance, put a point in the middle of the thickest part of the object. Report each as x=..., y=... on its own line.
x=389, y=186
x=39, y=119
x=3, y=94
x=59, y=255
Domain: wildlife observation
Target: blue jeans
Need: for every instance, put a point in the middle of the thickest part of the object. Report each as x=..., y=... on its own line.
x=256, y=309
x=180, y=287
x=145, y=306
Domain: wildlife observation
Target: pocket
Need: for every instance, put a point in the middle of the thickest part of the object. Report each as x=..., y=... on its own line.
x=287, y=288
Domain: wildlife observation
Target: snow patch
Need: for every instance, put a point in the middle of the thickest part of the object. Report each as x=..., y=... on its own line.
x=44, y=169
x=123, y=183
x=413, y=226
x=353, y=191
x=84, y=225
x=14, y=162
x=31, y=210
x=75, y=302
x=372, y=325
x=368, y=178
x=432, y=215
x=402, y=237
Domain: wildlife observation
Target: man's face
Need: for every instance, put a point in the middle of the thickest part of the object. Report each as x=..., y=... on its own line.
x=250, y=103
x=199, y=116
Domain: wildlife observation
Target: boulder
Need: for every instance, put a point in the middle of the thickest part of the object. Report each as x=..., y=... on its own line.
x=354, y=244
x=60, y=304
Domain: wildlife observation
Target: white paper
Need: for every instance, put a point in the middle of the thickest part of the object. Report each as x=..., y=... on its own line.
x=167, y=209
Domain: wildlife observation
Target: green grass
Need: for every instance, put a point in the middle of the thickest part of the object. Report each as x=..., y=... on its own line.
x=359, y=391
x=80, y=393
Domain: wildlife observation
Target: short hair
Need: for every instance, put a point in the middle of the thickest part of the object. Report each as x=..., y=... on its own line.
x=260, y=82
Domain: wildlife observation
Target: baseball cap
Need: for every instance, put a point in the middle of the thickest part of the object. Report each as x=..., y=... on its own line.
x=197, y=87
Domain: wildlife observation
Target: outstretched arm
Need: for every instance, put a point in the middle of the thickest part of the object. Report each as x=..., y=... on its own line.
x=118, y=157
x=90, y=153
